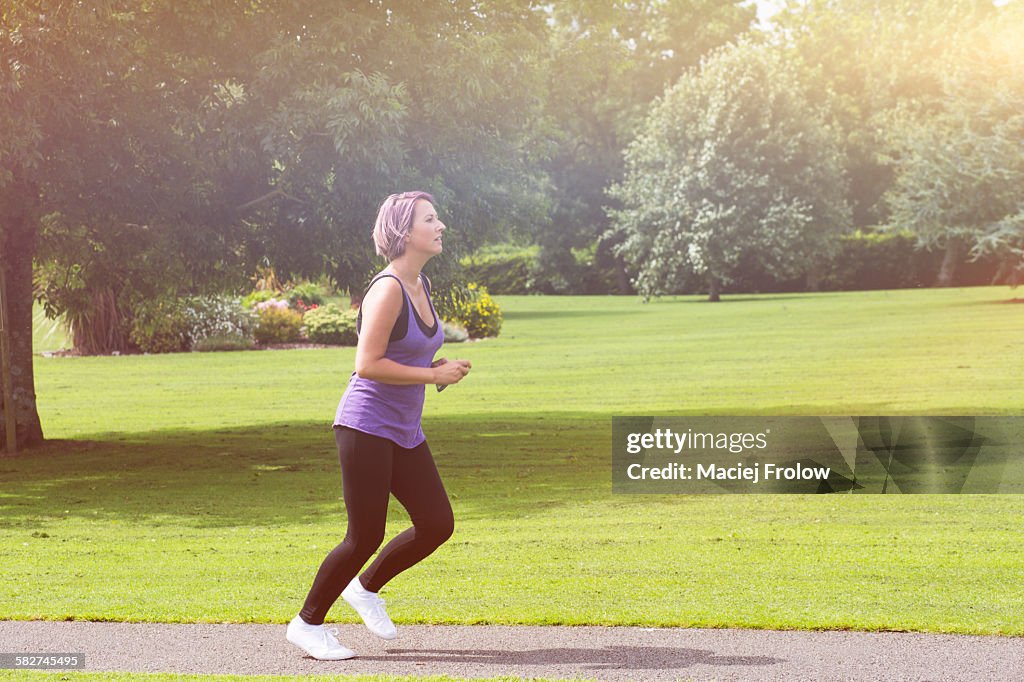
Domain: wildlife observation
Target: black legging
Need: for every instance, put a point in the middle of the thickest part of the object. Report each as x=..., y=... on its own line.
x=371, y=468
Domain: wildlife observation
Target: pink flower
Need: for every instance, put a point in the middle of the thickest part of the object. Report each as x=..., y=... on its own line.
x=271, y=303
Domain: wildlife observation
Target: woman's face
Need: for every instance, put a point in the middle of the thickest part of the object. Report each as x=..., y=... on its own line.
x=425, y=234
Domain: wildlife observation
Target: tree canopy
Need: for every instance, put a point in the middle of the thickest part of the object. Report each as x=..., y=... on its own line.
x=734, y=165
x=958, y=157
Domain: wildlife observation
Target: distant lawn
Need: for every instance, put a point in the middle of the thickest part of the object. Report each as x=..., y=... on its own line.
x=206, y=486
x=47, y=334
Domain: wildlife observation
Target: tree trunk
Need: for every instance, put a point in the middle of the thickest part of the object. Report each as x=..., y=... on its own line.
x=17, y=250
x=622, y=276
x=1009, y=272
x=949, y=262
x=1002, y=272
x=713, y=288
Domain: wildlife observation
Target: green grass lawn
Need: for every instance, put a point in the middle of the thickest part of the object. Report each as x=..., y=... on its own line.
x=206, y=487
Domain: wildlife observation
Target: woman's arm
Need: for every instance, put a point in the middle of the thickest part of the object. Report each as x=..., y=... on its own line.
x=381, y=307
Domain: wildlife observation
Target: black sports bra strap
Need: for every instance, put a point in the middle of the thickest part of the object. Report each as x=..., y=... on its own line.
x=432, y=329
x=380, y=276
x=402, y=323
x=426, y=282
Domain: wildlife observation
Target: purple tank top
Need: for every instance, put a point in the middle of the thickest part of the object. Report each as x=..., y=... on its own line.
x=394, y=410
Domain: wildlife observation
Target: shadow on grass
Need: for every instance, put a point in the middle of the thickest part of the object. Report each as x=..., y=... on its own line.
x=283, y=474
x=745, y=298
x=494, y=467
x=560, y=314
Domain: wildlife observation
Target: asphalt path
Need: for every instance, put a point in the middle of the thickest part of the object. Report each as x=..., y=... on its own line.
x=553, y=652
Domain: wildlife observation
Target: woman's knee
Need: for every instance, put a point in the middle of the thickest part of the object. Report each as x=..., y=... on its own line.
x=364, y=543
x=439, y=527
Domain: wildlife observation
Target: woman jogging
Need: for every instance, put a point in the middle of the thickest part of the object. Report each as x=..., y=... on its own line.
x=378, y=431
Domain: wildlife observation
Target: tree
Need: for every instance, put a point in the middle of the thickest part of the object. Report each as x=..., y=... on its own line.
x=120, y=94
x=352, y=106
x=733, y=163
x=958, y=162
x=61, y=86
x=156, y=149
x=863, y=58
x=607, y=62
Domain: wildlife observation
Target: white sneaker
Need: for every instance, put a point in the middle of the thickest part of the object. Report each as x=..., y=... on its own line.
x=318, y=641
x=370, y=608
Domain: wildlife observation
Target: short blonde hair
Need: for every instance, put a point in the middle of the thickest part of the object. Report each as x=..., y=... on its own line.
x=394, y=221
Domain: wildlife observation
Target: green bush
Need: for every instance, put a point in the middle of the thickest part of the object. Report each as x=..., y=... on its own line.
x=278, y=323
x=595, y=271
x=222, y=342
x=514, y=269
x=258, y=296
x=879, y=260
x=303, y=296
x=160, y=326
x=478, y=312
x=503, y=268
x=219, y=316
x=330, y=324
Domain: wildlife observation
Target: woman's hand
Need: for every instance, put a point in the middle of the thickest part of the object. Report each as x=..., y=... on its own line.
x=446, y=372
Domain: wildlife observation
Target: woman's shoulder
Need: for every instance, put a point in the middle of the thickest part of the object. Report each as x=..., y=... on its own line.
x=384, y=274
x=384, y=286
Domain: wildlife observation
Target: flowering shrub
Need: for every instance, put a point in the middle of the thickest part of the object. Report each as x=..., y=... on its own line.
x=222, y=342
x=258, y=296
x=304, y=307
x=219, y=317
x=160, y=326
x=330, y=324
x=275, y=303
x=277, y=322
x=478, y=312
x=307, y=294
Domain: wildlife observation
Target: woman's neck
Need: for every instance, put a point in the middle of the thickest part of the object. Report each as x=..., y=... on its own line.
x=409, y=273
